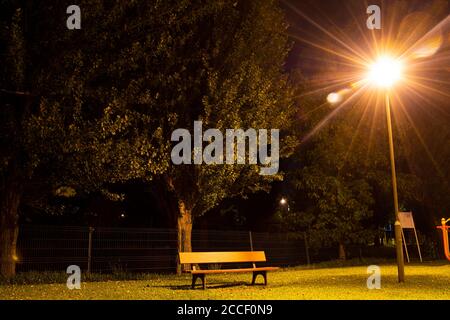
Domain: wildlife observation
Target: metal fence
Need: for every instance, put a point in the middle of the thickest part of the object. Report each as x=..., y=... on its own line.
x=54, y=248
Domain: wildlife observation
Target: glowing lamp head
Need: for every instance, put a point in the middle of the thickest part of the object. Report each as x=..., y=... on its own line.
x=283, y=201
x=385, y=72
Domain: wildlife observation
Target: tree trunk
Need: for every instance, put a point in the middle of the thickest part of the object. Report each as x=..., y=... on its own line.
x=9, y=229
x=184, y=231
x=342, y=255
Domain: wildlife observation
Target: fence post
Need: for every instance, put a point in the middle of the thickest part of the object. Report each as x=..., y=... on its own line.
x=308, y=262
x=251, y=240
x=91, y=230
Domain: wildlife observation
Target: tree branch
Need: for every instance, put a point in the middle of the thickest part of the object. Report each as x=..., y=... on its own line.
x=17, y=93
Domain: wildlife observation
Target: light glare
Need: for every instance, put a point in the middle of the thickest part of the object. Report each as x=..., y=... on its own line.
x=334, y=98
x=385, y=72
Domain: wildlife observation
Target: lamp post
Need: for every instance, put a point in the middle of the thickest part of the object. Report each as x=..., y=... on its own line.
x=384, y=73
x=397, y=226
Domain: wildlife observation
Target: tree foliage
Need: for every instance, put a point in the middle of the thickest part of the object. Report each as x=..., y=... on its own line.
x=104, y=100
x=341, y=183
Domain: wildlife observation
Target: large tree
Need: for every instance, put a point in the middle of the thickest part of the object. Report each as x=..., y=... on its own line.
x=97, y=106
x=242, y=86
x=15, y=106
x=80, y=109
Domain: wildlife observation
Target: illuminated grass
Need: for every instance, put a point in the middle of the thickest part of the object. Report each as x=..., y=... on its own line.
x=426, y=281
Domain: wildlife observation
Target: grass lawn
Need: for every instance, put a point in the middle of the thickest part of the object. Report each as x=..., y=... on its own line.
x=423, y=281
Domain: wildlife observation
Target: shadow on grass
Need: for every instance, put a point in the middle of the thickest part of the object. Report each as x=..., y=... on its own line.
x=213, y=285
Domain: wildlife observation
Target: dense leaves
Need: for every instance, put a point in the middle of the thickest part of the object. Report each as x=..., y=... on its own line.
x=104, y=100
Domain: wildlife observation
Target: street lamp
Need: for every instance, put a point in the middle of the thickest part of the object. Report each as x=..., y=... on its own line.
x=384, y=73
x=284, y=202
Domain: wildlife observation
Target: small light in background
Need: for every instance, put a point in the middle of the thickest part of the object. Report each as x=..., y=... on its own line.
x=122, y=215
x=334, y=98
x=283, y=201
x=337, y=97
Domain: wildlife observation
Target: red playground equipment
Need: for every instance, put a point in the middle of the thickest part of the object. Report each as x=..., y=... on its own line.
x=444, y=229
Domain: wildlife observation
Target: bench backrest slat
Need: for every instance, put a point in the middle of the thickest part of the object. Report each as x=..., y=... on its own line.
x=222, y=257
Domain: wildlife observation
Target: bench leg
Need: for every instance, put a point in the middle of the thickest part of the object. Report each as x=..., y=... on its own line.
x=256, y=273
x=202, y=277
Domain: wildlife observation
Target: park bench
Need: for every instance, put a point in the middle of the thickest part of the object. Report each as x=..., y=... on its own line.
x=197, y=258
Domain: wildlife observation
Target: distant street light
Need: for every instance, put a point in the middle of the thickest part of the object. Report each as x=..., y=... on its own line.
x=284, y=202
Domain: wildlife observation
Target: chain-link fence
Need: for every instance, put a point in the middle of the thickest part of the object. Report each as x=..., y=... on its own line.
x=54, y=248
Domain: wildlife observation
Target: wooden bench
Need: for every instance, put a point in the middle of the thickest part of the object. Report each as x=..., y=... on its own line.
x=195, y=258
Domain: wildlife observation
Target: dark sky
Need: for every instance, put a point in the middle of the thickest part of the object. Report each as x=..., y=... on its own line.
x=335, y=16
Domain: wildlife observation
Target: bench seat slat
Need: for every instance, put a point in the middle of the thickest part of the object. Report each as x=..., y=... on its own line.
x=222, y=257
x=233, y=270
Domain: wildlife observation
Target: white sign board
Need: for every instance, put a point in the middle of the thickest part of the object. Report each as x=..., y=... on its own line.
x=406, y=220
